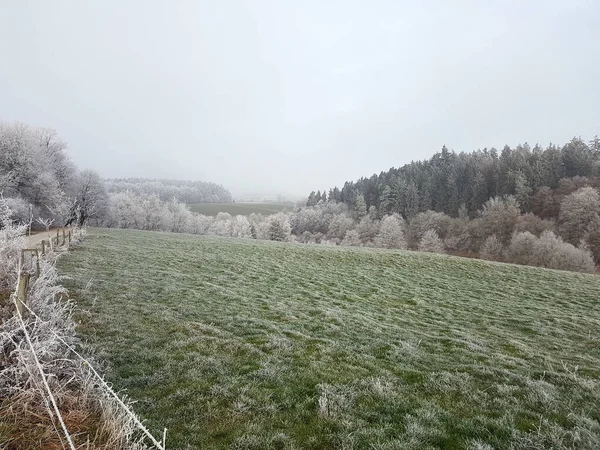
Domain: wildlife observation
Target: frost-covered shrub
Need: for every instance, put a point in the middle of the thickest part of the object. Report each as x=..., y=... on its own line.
x=492, y=249
x=200, y=224
x=431, y=242
x=550, y=251
x=19, y=209
x=240, y=227
x=498, y=216
x=522, y=249
x=367, y=230
x=338, y=226
x=352, y=239
x=11, y=242
x=577, y=212
x=428, y=220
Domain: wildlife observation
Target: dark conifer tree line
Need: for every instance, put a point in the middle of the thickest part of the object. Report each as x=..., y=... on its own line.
x=460, y=183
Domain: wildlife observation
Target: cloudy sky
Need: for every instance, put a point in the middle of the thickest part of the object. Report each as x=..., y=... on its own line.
x=288, y=96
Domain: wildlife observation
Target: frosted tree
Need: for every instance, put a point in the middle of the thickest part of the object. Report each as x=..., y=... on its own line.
x=11, y=241
x=431, y=242
x=279, y=228
x=352, y=239
x=34, y=166
x=578, y=211
x=523, y=192
x=179, y=216
x=391, y=234
x=152, y=212
x=499, y=216
x=91, y=199
x=360, y=207
x=428, y=220
x=125, y=210
x=367, y=230
x=240, y=227
x=339, y=225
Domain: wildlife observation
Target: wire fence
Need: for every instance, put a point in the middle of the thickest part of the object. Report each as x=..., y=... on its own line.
x=20, y=302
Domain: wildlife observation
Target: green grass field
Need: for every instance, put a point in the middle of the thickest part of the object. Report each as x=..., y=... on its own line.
x=244, y=209
x=246, y=344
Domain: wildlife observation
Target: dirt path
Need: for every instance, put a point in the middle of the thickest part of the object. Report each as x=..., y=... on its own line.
x=35, y=240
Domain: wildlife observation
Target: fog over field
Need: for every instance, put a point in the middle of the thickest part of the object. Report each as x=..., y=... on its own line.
x=286, y=97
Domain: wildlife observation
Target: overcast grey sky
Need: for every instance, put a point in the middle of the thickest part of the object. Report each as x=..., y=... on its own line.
x=290, y=96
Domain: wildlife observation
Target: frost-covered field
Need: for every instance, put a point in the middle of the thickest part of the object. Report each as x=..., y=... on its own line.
x=254, y=344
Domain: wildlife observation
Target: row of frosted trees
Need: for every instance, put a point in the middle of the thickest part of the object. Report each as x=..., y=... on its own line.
x=499, y=231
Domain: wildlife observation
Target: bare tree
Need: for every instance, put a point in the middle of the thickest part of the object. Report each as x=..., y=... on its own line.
x=46, y=223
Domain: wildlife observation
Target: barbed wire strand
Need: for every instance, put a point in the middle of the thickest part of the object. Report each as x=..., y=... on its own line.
x=107, y=386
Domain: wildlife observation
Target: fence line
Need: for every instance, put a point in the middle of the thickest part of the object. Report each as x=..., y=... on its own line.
x=104, y=383
x=22, y=302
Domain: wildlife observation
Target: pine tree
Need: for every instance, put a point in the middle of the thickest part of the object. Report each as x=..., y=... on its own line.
x=373, y=213
x=360, y=207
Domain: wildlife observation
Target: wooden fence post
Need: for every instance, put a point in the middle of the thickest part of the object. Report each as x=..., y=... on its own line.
x=33, y=252
x=22, y=291
x=57, y=230
x=64, y=237
x=43, y=247
x=69, y=236
x=37, y=262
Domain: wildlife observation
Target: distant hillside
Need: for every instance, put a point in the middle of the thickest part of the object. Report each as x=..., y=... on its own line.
x=450, y=180
x=183, y=191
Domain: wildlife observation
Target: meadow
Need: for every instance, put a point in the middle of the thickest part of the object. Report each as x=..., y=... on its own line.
x=244, y=209
x=248, y=344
